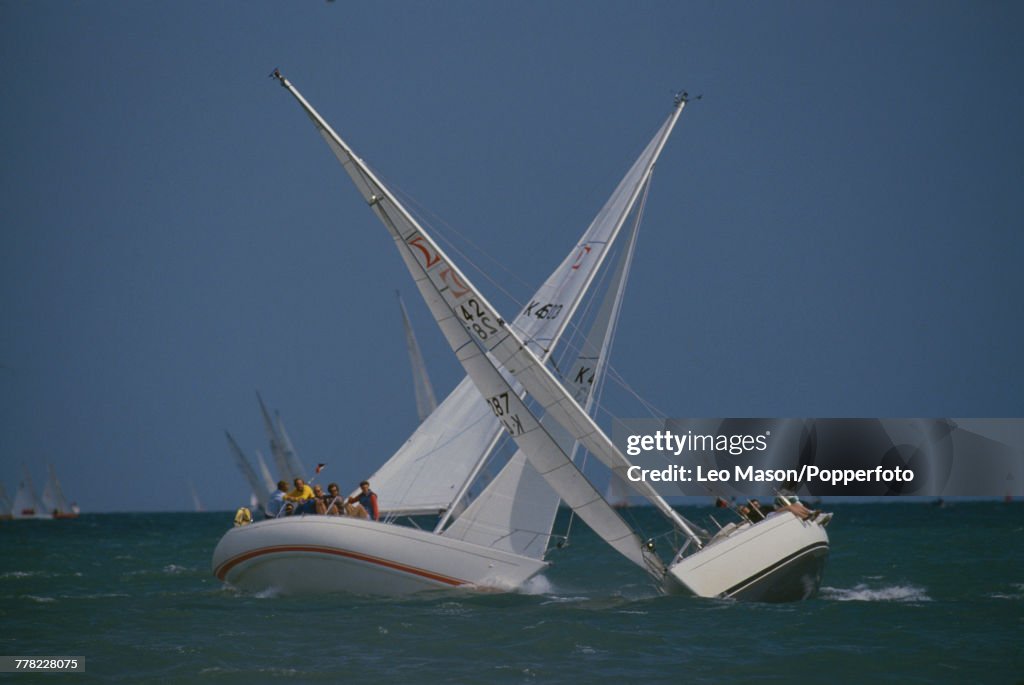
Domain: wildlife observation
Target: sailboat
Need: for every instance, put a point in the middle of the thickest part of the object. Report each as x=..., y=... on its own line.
x=26, y=504
x=779, y=558
x=53, y=500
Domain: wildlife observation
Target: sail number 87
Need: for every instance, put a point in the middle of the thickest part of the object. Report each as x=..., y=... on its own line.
x=499, y=405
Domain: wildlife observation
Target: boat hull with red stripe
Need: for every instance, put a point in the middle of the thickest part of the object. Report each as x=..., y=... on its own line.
x=322, y=554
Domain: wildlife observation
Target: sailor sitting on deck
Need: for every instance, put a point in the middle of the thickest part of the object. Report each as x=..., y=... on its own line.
x=754, y=511
x=275, y=507
x=333, y=504
x=367, y=501
x=302, y=495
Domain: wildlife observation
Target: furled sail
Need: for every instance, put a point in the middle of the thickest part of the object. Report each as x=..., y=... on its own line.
x=473, y=328
x=425, y=400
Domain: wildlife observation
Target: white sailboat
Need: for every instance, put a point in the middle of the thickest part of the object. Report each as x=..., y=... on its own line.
x=26, y=504
x=53, y=500
x=780, y=558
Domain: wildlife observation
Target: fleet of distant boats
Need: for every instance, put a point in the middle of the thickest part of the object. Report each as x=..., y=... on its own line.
x=52, y=504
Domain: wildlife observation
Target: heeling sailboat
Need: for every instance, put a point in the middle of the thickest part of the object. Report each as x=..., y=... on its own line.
x=439, y=462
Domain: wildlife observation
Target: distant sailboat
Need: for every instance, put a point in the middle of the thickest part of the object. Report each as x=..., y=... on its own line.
x=26, y=504
x=53, y=500
x=258, y=488
x=425, y=400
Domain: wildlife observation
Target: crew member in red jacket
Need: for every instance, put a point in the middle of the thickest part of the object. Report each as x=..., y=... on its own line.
x=367, y=499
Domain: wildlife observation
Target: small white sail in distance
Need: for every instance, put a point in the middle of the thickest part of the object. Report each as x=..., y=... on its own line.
x=257, y=487
x=425, y=400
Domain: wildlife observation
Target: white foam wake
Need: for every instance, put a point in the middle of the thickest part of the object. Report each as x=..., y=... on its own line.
x=862, y=593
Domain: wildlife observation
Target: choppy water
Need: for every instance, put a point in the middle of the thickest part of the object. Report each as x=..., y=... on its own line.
x=912, y=593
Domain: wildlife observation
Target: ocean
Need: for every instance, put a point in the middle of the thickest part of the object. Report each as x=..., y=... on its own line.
x=913, y=593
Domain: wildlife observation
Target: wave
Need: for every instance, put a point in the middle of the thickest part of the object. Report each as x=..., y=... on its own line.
x=862, y=593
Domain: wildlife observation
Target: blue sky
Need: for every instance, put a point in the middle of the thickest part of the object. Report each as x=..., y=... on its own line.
x=834, y=230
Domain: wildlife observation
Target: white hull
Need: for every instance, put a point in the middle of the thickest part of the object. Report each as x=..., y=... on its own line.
x=779, y=559
x=320, y=554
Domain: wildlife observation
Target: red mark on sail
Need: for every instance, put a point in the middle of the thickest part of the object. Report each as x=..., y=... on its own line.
x=584, y=251
x=429, y=256
x=457, y=287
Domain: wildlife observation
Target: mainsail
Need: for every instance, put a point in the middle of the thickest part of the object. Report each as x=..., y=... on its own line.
x=487, y=346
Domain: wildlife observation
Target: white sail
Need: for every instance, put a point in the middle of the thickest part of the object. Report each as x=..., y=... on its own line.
x=26, y=504
x=473, y=327
x=258, y=488
x=268, y=480
x=516, y=511
x=438, y=462
x=53, y=500
x=284, y=470
x=425, y=400
x=197, y=504
x=290, y=455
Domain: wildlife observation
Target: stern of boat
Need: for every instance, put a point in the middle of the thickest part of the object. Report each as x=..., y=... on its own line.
x=779, y=559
